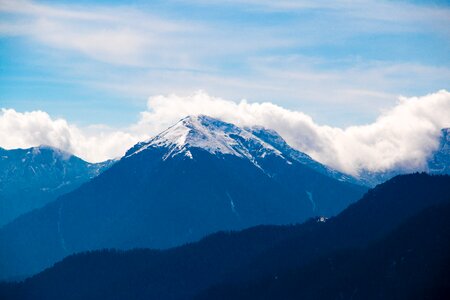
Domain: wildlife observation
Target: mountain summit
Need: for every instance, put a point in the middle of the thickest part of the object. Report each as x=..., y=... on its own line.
x=215, y=136
x=199, y=176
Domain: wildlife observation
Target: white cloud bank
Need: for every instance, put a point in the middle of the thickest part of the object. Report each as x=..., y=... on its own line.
x=23, y=130
x=403, y=136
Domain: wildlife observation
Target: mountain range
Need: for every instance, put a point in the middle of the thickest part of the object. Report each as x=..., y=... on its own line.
x=33, y=177
x=394, y=243
x=195, y=178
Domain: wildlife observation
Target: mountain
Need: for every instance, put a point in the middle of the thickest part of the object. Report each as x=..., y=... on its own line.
x=236, y=259
x=437, y=163
x=197, y=177
x=30, y=178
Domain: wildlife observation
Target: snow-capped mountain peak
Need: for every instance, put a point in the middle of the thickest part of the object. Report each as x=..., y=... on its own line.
x=212, y=135
x=221, y=138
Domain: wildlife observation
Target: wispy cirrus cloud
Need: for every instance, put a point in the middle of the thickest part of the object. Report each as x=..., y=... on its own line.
x=379, y=16
x=120, y=35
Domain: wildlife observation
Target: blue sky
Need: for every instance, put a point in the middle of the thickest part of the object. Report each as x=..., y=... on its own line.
x=341, y=62
x=358, y=85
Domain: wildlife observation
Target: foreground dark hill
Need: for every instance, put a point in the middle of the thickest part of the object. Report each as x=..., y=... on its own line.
x=412, y=262
x=249, y=255
x=197, y=177
x=31, y=178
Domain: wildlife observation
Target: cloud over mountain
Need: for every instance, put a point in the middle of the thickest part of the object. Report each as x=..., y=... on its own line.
x=403, y=136
x=23, y=130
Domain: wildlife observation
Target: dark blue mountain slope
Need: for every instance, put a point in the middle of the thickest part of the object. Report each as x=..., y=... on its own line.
x=235, y=257
x=31, y=178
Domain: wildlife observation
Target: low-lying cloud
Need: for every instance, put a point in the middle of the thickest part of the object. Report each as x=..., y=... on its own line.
x=23, y=130
x=403, y=136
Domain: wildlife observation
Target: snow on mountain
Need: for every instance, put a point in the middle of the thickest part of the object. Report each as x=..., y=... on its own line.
x=209, y=134
x=272, y=137
x=221, y=138
x=199, y=176
x=255, y=143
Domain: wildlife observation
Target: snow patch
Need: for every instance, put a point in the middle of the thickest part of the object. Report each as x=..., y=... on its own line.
x=311, y=199
x=32, y=169
x=232, y=205
x=189, y=154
